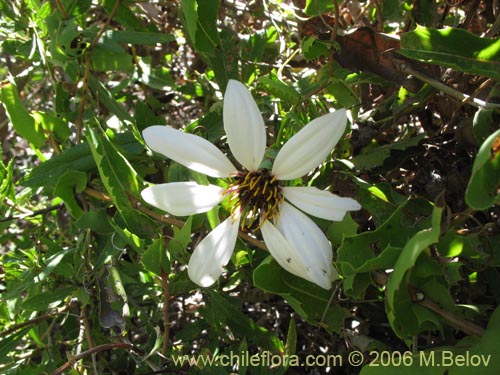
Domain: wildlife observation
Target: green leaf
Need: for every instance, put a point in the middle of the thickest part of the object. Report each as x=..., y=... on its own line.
x=52, y=124
x=201, y=23
x=396, y=288
x=190, y=12
x=19, y=116
x=78, y=158
x=375, y=155
x=155, y=258
x=487, y=349
x=482, y=124
x=107, y=99
x=104, y=59
x=181, y=238
x=482, y=191
x=68, y=184
x=280, y=89
x=307, y=299
x=52, y=263
x=124, y=15
x=454, y=48
x=10, y=342
x=317, y=7
x=6, y=184
x=312, y=48
x=223, y=313
x=119, y=178
x=95, y=220
x=482, y=355
x=41, y=302
x=291, y=338
x=379, y=249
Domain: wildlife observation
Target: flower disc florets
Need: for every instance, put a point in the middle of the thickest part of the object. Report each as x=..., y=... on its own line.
x=254, y=196
x=257, y=194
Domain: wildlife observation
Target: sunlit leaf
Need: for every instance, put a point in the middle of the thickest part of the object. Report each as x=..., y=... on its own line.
x=19, y=116
x=454, y=48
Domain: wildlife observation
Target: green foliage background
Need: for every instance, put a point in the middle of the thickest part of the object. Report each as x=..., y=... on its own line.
x=93, y=281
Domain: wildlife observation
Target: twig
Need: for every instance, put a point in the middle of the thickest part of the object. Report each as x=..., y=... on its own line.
x=106, y=24
x=464, y=98
x=452, y=319
x=61, y=8
x=97, y=349
x=86, y=77
x=81, y=106
x=166, y=298
x=39, y=319
x=32, y=213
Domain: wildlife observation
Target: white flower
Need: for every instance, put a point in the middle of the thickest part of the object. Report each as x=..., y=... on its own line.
x=257, y=197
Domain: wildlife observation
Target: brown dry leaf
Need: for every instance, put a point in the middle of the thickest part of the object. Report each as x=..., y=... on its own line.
x=367, y=50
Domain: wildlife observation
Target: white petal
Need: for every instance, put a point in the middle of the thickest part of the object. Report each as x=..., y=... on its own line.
x=282, y=251
x=183, y=198
x=189, y=150
x=213, y=253
x=244, y=126
x=312, y=245
x=310, y=146
x=320, y=203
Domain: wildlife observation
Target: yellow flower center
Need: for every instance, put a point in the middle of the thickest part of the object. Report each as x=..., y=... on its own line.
x=257, y=195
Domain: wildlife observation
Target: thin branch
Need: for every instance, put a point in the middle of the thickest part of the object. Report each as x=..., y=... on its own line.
x=32, y=213
x=97, y=349
x=106, y=24
x=464, y=98
x=166, y=299
x=61, y=8
x=37, y=320
x=450, y=318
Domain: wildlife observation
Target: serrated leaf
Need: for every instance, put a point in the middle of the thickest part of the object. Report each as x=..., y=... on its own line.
x=181, y=238
x=119, y=178
x=19, y=116
x=95, y=220
x=312, y=48
x=395, y=290
x=107, y=99
x=358, y=252
x=77, y=158
x=439, y=360
x=280, y=89
x=307, y=299
x=224, y=313
x=375, y=155
x=155, y=258
x=454, y=48
x=483, y=188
